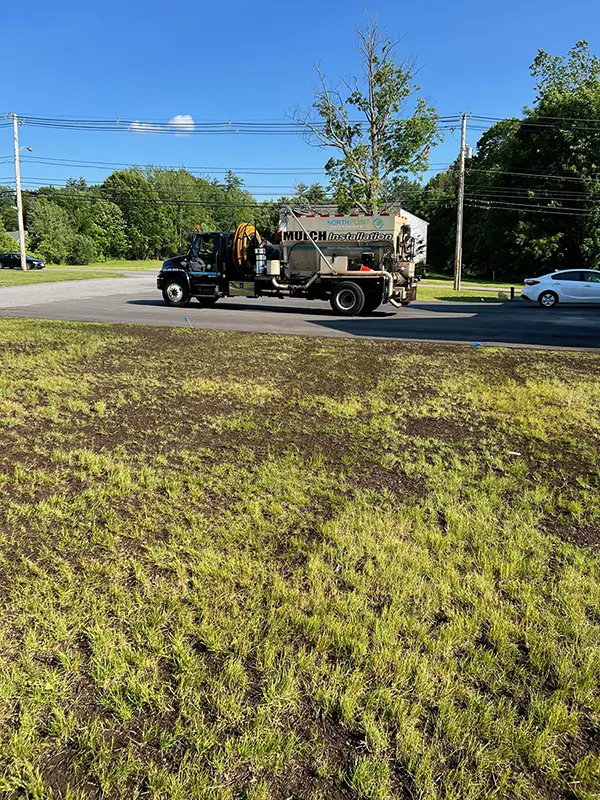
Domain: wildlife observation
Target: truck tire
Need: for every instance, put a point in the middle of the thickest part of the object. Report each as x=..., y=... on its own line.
x=207, y=302
x=176, y=294
x=347, y=299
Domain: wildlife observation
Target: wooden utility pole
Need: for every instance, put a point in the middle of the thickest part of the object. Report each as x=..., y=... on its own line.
x=460, y=213
x=18, y=191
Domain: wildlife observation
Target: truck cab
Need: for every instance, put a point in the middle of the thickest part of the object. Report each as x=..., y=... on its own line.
x=200, y=273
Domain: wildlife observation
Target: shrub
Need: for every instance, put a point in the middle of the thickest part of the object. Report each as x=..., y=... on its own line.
x=81, y=250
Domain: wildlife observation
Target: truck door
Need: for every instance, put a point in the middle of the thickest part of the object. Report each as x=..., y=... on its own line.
x=204, y=267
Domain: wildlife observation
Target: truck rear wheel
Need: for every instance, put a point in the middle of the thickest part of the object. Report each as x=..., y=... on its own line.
x=347, y=299
x=175, y=294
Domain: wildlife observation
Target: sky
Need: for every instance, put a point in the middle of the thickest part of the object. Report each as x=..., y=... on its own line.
x=253, y=61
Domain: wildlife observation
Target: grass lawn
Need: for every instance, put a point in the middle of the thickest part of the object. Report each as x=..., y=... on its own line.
x=14, y=277
x=240, y=566
x=425, y=292
x=433, y=278
x=119, y=265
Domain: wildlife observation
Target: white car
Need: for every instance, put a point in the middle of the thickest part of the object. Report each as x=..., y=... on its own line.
x=564, y=286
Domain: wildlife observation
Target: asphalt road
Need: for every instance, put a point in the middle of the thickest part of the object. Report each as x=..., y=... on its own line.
x=135, y=300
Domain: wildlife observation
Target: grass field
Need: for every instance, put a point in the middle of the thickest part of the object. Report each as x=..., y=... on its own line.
x=118, y=265
x=425, y=292
x=240, y=566
x=14, y=277
x=439, y=278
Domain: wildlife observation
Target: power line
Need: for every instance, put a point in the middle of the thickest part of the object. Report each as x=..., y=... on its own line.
x=254, y=170
x=186, y=125
x=493, y=205
x=535, y=174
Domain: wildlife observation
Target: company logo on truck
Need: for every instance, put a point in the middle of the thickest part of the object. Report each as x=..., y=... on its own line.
x=335, y=236
x=360, y=236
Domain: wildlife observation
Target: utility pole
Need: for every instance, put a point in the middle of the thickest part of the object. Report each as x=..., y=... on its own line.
x=19, y=197
x=460, y=214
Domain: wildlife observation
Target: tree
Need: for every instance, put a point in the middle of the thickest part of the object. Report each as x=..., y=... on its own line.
x=81, y=250
x=234, y=204
x=184, y=200
x=7, y=243
x=51, y=230
x=144, y=214
x=401, y=190
x=313, y=195
x=107, y=230
x=533, y=189
x=393, y=136
x=8, y=213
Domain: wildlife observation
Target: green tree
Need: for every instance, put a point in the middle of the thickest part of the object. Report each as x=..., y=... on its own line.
x=107, y=230
x=312, y=195
x=144, y=213
x=437, y=204
x=81, y=250
x=51, y=230
x=401, y=190
x=185, y=202
x=533, y=189
x=8, y=214
x=7, y=243
x=395, y=131
x=234, y=204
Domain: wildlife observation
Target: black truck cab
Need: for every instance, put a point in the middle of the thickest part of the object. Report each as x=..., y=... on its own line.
x=200, y=273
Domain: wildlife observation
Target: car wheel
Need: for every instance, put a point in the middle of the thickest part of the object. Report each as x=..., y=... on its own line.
x=175, y=294
x=347, y=299
x=548, y=299
x=206, y=302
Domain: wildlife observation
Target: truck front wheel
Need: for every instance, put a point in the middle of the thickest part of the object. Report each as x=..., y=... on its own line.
x=175, y=294
x=347, y=299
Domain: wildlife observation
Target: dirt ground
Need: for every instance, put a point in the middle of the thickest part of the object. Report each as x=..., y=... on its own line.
x=254, y=566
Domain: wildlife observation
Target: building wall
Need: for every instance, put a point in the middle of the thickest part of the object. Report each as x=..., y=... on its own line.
x=418, y=228
x=16, y=237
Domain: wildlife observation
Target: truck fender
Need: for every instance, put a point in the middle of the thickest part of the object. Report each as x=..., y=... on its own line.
x=179, y=275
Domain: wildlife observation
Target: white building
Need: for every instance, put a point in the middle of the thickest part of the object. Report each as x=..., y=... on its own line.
x=418, y=228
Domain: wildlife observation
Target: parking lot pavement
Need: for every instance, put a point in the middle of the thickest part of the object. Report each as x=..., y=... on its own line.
x=136, y=300
x=63, y=292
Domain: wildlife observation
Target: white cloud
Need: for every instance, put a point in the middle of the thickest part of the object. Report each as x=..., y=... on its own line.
x=143, y=127
x=184, y=124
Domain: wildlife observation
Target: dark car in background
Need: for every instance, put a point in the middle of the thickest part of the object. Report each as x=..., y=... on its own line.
x=13, y=261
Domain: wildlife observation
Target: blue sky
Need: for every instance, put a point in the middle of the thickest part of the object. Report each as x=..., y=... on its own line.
x=243, y=60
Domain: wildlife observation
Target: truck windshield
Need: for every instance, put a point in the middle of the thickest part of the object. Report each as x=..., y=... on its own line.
x=203, y=248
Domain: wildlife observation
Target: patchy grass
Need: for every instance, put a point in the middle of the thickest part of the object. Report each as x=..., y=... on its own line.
x=425, y=292
x=119, y=265
x=433, y=278
x=239, y=566
x=14, y=277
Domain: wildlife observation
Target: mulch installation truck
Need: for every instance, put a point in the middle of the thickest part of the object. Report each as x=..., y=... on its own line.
x=355, y=261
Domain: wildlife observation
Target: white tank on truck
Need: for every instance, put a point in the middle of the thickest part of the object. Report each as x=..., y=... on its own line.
x=378, y=241
x=355, y=261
